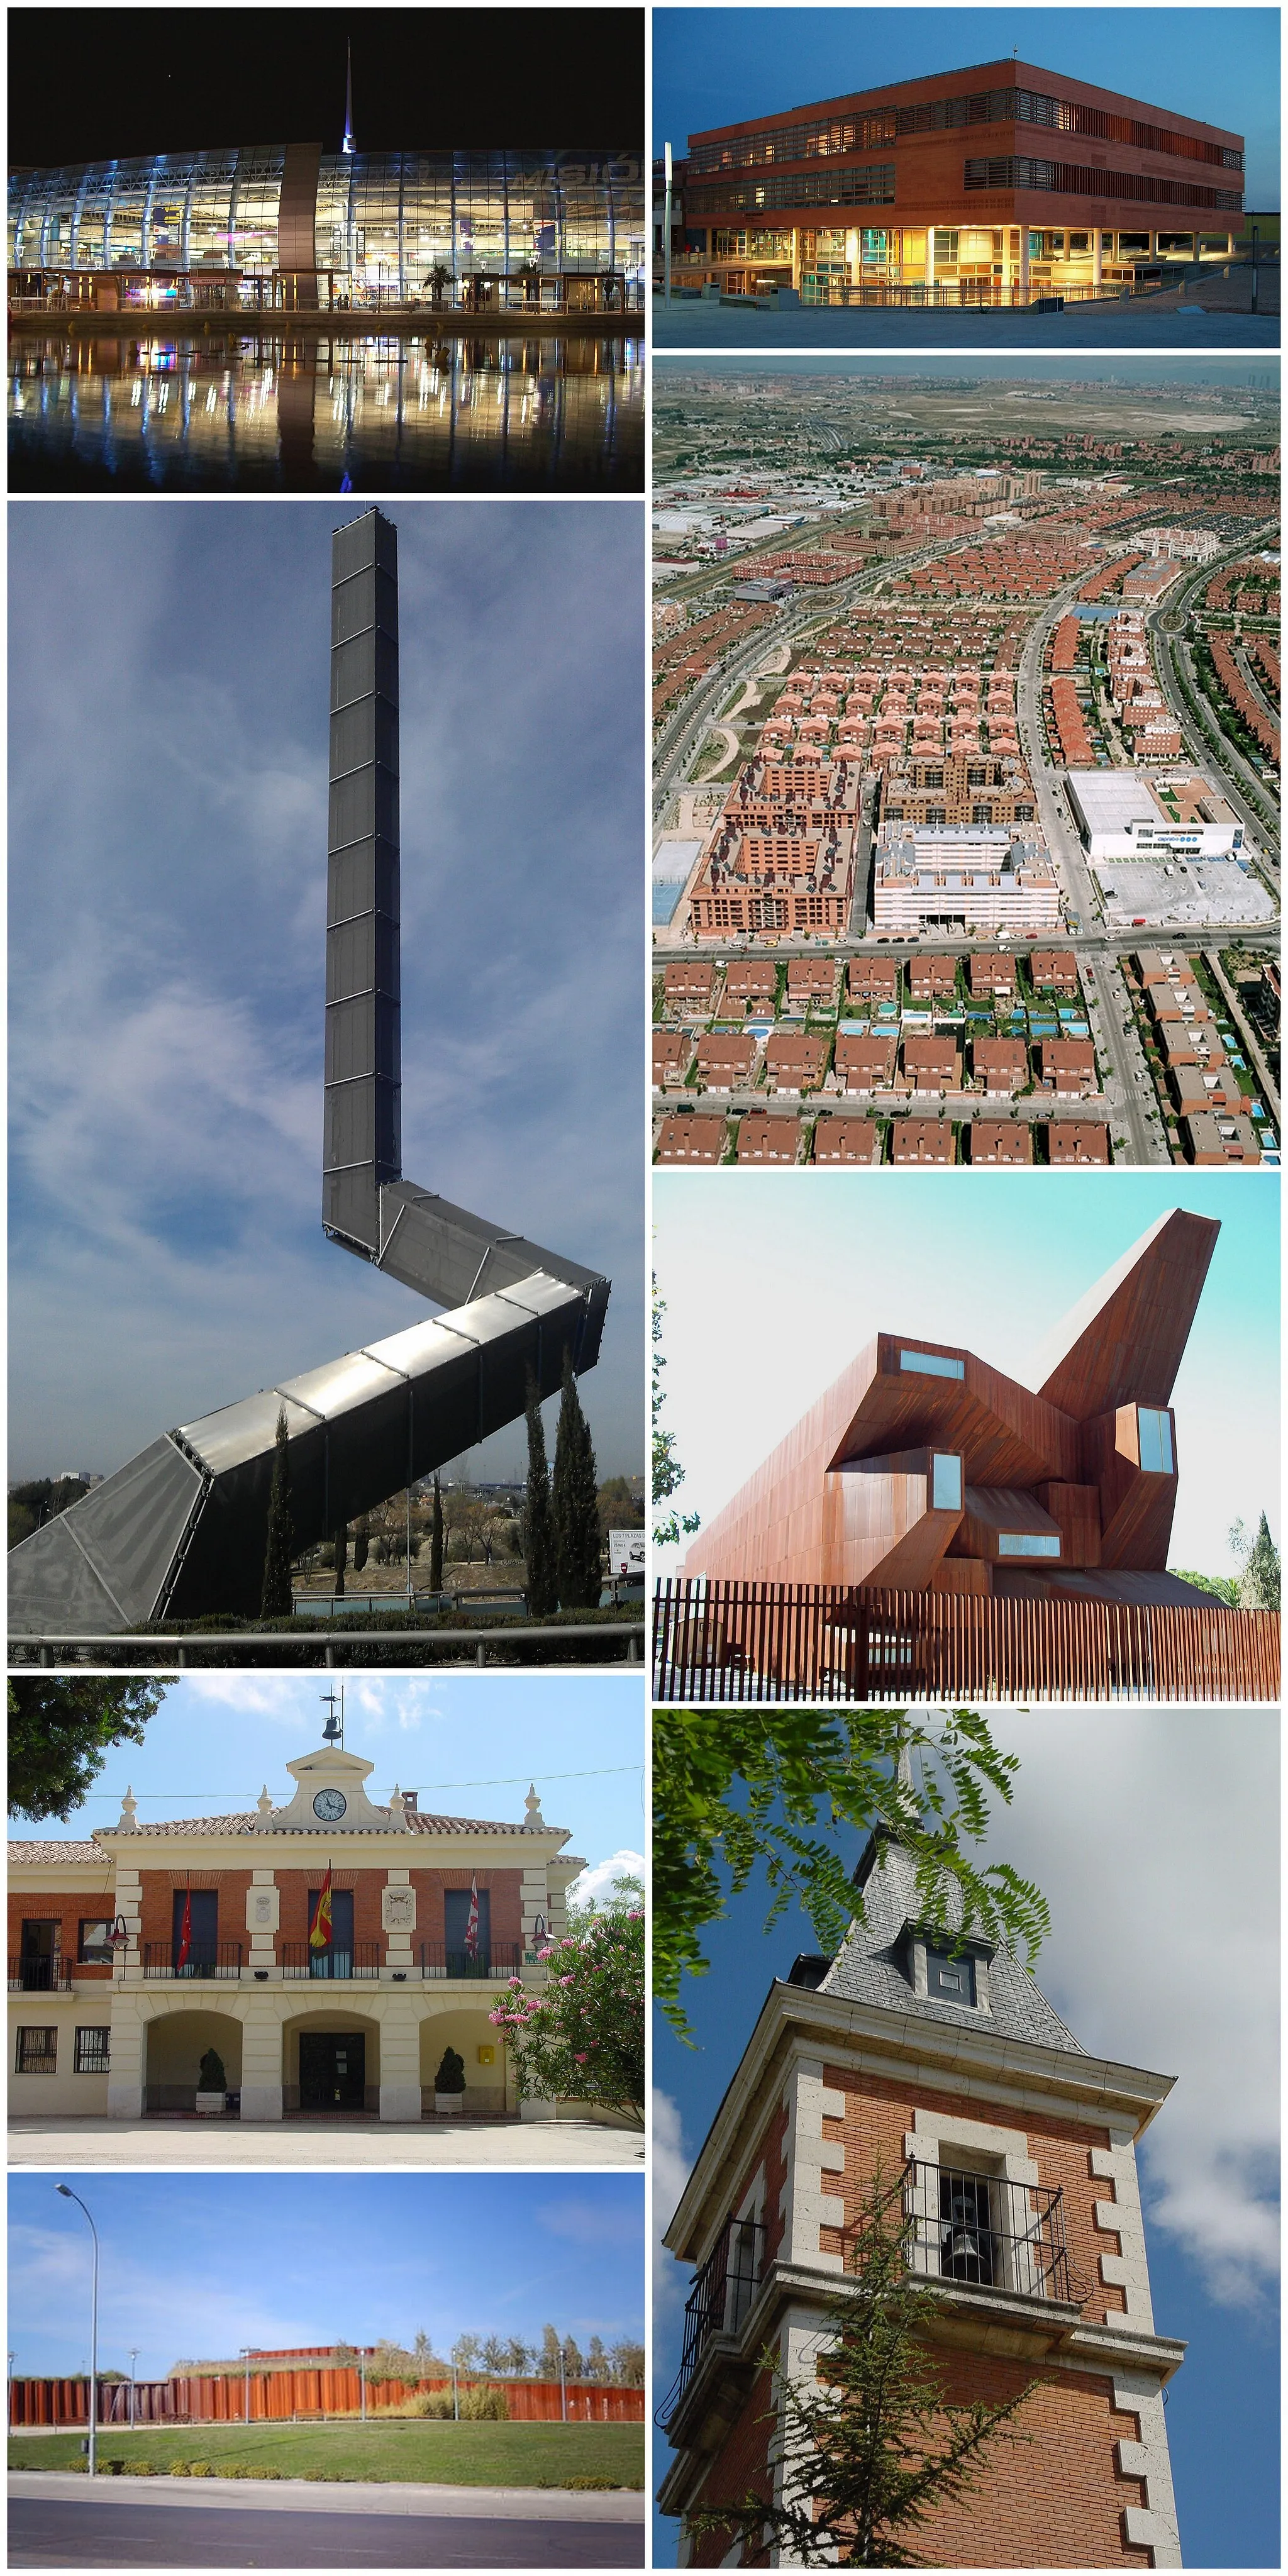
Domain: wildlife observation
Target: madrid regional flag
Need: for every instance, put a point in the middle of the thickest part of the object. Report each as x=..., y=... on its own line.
x=320, y=1928
x=472, y=1921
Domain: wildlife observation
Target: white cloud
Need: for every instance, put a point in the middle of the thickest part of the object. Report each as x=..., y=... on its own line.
x=1154, y=1836
x=597, y=1882
x=671, y=2167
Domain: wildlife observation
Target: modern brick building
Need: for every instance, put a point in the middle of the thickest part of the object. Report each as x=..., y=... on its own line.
x=997, y=184
x=1009, y=2153
x=133, y=1953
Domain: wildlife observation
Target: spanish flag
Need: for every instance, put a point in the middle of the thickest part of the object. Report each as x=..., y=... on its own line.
x=185, y=1930
x=320, y=1928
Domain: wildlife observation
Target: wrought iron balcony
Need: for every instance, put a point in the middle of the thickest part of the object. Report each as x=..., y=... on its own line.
x=490, y=1959
x=985, y=2233
x=335, y=1965
x=31, y=1976
x=719, y=2299
x=214, y=1959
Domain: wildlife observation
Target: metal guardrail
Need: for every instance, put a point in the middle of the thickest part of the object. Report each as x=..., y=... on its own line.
x=495, y=1959
x=326, y=1645
x=985, y=2233
x=361, y=1959
x=718, y=2301
x=205, y=1959
x=29, y=1976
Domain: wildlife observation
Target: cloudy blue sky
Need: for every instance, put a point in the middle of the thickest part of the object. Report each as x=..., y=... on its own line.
x=1154, y=1837
x=720, y=66
x=167, y=856
x=194, y=2265
x=774, y=1281
x=468, y=1743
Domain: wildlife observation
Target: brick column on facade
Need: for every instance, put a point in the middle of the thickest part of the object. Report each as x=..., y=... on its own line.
x=801, y=2343
x=127, y=1965
x=1097, y=259
x=534, y=1900
x=1153, y=2526
x=400, y=2061
x=398, y=1919
x=261, y=2084
x=805, y=2205
x=125, y=2057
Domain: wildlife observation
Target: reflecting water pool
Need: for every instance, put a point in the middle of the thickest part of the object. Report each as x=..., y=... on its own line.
x=323, y=413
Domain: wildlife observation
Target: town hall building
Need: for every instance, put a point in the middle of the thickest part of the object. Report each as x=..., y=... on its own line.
x=327, y=1952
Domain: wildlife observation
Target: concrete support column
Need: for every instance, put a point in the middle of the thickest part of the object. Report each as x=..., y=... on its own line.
x=930, y=259
x=125, y=2058
x=1097, y=258
x=399, y=2063
x=1024, y=263
x=261, y=2084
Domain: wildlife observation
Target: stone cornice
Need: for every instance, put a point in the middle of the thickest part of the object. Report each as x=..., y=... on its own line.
x=799, y=2022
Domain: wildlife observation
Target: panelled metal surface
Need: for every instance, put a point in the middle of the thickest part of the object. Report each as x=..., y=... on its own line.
x=180, y=1532
x=362, y=1145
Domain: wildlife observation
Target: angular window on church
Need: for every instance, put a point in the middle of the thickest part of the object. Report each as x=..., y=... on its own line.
x=1155, y=1442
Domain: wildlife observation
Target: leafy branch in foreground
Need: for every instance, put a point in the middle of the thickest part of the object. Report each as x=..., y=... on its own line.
x=736, y=1787
x=870, y=2446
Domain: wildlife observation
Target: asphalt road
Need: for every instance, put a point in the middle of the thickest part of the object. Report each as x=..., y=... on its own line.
x=71, y=2533
x=1129, y=1090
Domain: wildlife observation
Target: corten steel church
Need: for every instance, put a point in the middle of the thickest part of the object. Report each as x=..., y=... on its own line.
x=924, y=1468
x=289, y=227
x=993, y=185
x=180, y=1531
x=1010, y=2155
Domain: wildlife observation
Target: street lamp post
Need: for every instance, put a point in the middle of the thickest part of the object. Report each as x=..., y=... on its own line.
x=244, y=2350
x=362, y=2384
x=134, y=2358
x=12, y=2358
x=67, y=2194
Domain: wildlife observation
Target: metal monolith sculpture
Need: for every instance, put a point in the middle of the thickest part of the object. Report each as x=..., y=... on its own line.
x=179, y=1532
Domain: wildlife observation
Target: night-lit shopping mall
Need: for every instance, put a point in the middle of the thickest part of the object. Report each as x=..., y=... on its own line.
x=272, y=227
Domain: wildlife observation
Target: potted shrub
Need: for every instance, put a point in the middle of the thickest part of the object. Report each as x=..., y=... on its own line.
x=212, y=2087
x=449, y=2085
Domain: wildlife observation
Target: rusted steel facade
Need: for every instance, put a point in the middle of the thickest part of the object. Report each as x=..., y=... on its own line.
x=278, y=2395
x=715, y=1640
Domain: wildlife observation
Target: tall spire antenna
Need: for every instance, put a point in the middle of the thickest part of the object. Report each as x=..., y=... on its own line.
x=347, y=144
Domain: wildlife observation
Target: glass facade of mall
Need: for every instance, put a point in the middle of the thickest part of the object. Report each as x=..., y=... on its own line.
x=392, y=228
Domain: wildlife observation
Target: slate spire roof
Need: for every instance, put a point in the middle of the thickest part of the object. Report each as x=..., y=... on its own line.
x=868, y=1967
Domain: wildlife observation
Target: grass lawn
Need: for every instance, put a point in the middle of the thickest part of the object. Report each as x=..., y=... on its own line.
x=484, y=2455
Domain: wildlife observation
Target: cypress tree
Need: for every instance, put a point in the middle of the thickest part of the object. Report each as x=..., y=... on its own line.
x=576, y=1502
x=436, y=1543
x=538, y=1519
x=341, y=1560
x=276, y=1601
x=361, y=1537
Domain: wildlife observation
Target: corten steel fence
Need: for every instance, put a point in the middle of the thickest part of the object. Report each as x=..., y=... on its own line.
x=279, y=2395
x=721, y=1640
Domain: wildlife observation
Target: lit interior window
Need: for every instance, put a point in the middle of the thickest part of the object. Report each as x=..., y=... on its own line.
x=947, y=1484
x=929, y=1364
x=1155, y=1432
x=1027, y=1543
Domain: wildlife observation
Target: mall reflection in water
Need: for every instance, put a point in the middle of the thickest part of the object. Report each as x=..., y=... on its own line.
x=326, y=413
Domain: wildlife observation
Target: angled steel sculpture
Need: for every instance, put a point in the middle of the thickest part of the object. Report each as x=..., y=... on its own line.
x=179, y=1532
x=925, y=1469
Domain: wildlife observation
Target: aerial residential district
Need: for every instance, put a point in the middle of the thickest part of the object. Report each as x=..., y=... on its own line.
x=966, y=745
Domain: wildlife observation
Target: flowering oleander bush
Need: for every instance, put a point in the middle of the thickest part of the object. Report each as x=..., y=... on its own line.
x=581, y=2038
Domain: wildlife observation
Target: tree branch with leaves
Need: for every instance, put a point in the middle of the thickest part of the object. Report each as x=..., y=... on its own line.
x=735, y=1788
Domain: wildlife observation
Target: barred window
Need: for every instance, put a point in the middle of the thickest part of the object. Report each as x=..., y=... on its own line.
x=37, y=2051
x=92, y=2049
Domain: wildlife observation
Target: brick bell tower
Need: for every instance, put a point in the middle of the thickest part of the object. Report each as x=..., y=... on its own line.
x=1018, y=2159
